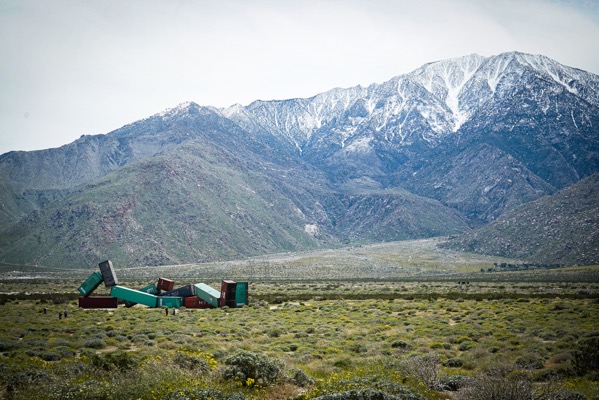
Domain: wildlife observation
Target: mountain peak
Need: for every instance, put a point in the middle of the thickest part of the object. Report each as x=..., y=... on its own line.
x=181, y=108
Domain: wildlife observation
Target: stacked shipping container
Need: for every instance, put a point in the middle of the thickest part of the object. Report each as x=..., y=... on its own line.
x=200, y=295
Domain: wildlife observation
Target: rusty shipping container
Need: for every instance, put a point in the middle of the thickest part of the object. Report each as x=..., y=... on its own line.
x=108, y=273
x=227, y=294
x=165, y=284
x=98, y=302
x=185, y=291
x=195, y=302
x=90, y=284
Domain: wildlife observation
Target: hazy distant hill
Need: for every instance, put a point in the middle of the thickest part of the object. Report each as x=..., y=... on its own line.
x=563, y=228
x=452, y=145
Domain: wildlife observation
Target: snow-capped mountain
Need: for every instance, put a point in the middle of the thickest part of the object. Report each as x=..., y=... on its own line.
x=435, y=101
x=529, y=111
x=453, y=144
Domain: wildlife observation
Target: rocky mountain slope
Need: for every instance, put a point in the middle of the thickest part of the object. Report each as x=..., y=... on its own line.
x=546, y=230
x=455, y=143
x=473, y=118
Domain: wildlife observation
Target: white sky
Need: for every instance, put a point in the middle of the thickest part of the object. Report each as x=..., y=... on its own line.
x=70, y=67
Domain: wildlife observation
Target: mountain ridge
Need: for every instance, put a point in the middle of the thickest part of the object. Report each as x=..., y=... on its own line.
x=452, y=145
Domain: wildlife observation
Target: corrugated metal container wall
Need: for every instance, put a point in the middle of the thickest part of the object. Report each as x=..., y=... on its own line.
x=90, y=284
x=207, y=293
x=241, y=294
x=168, y=301
x=98, y=302
x=151, y=289
x=184, y=291
x=227, y=293
x=165, y=284
x=195, y=302
x=108, y=273
x=134, y=296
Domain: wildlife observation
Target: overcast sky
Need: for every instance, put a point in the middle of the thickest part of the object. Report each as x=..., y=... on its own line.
x=77, y=67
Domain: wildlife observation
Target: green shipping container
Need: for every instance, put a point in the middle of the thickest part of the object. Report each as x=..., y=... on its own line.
x=90, y=284
x=207, y=293
x=168, y=301
x=241, y=294
x=133, y=296
x=151, y=288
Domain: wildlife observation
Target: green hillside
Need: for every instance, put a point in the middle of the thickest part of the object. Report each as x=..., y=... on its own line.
x=563, y=228
x=199, y=202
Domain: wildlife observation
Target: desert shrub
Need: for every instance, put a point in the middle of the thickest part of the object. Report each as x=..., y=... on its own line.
x=5, y=345
x=453, y=363
x=364, y=394
x=117, y=360
x=453, y=382
x=358, y=348
x=425, y=369
x=464, y=346
x=95, y=343
x=275, y=333
x=50, y=356
x=191, y=362
x=21, y=379
x=560, y=394
x=202, y=394
x=497, y=384
x=561, y=358
x=343, y=363
x=586, y=356
x=400, y=344
x=258, y=367
x=530, y=361
x=300, y=378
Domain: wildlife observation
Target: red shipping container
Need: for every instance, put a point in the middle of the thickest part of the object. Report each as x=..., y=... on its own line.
x=195, y=302
x=227, y=293
x=165, y=284
x=98, y=302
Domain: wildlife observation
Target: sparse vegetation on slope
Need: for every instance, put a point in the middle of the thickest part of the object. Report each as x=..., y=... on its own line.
x=563, y=228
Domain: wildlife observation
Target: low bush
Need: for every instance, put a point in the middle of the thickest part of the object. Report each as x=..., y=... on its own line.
x=364, y=394
x=453, y=382
x=191, y=362
x=117, y=360
x=497, y=384
x=202, y=394
x=300, y=378
x=246, y=365
x=453, y=363
x=95, y=344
